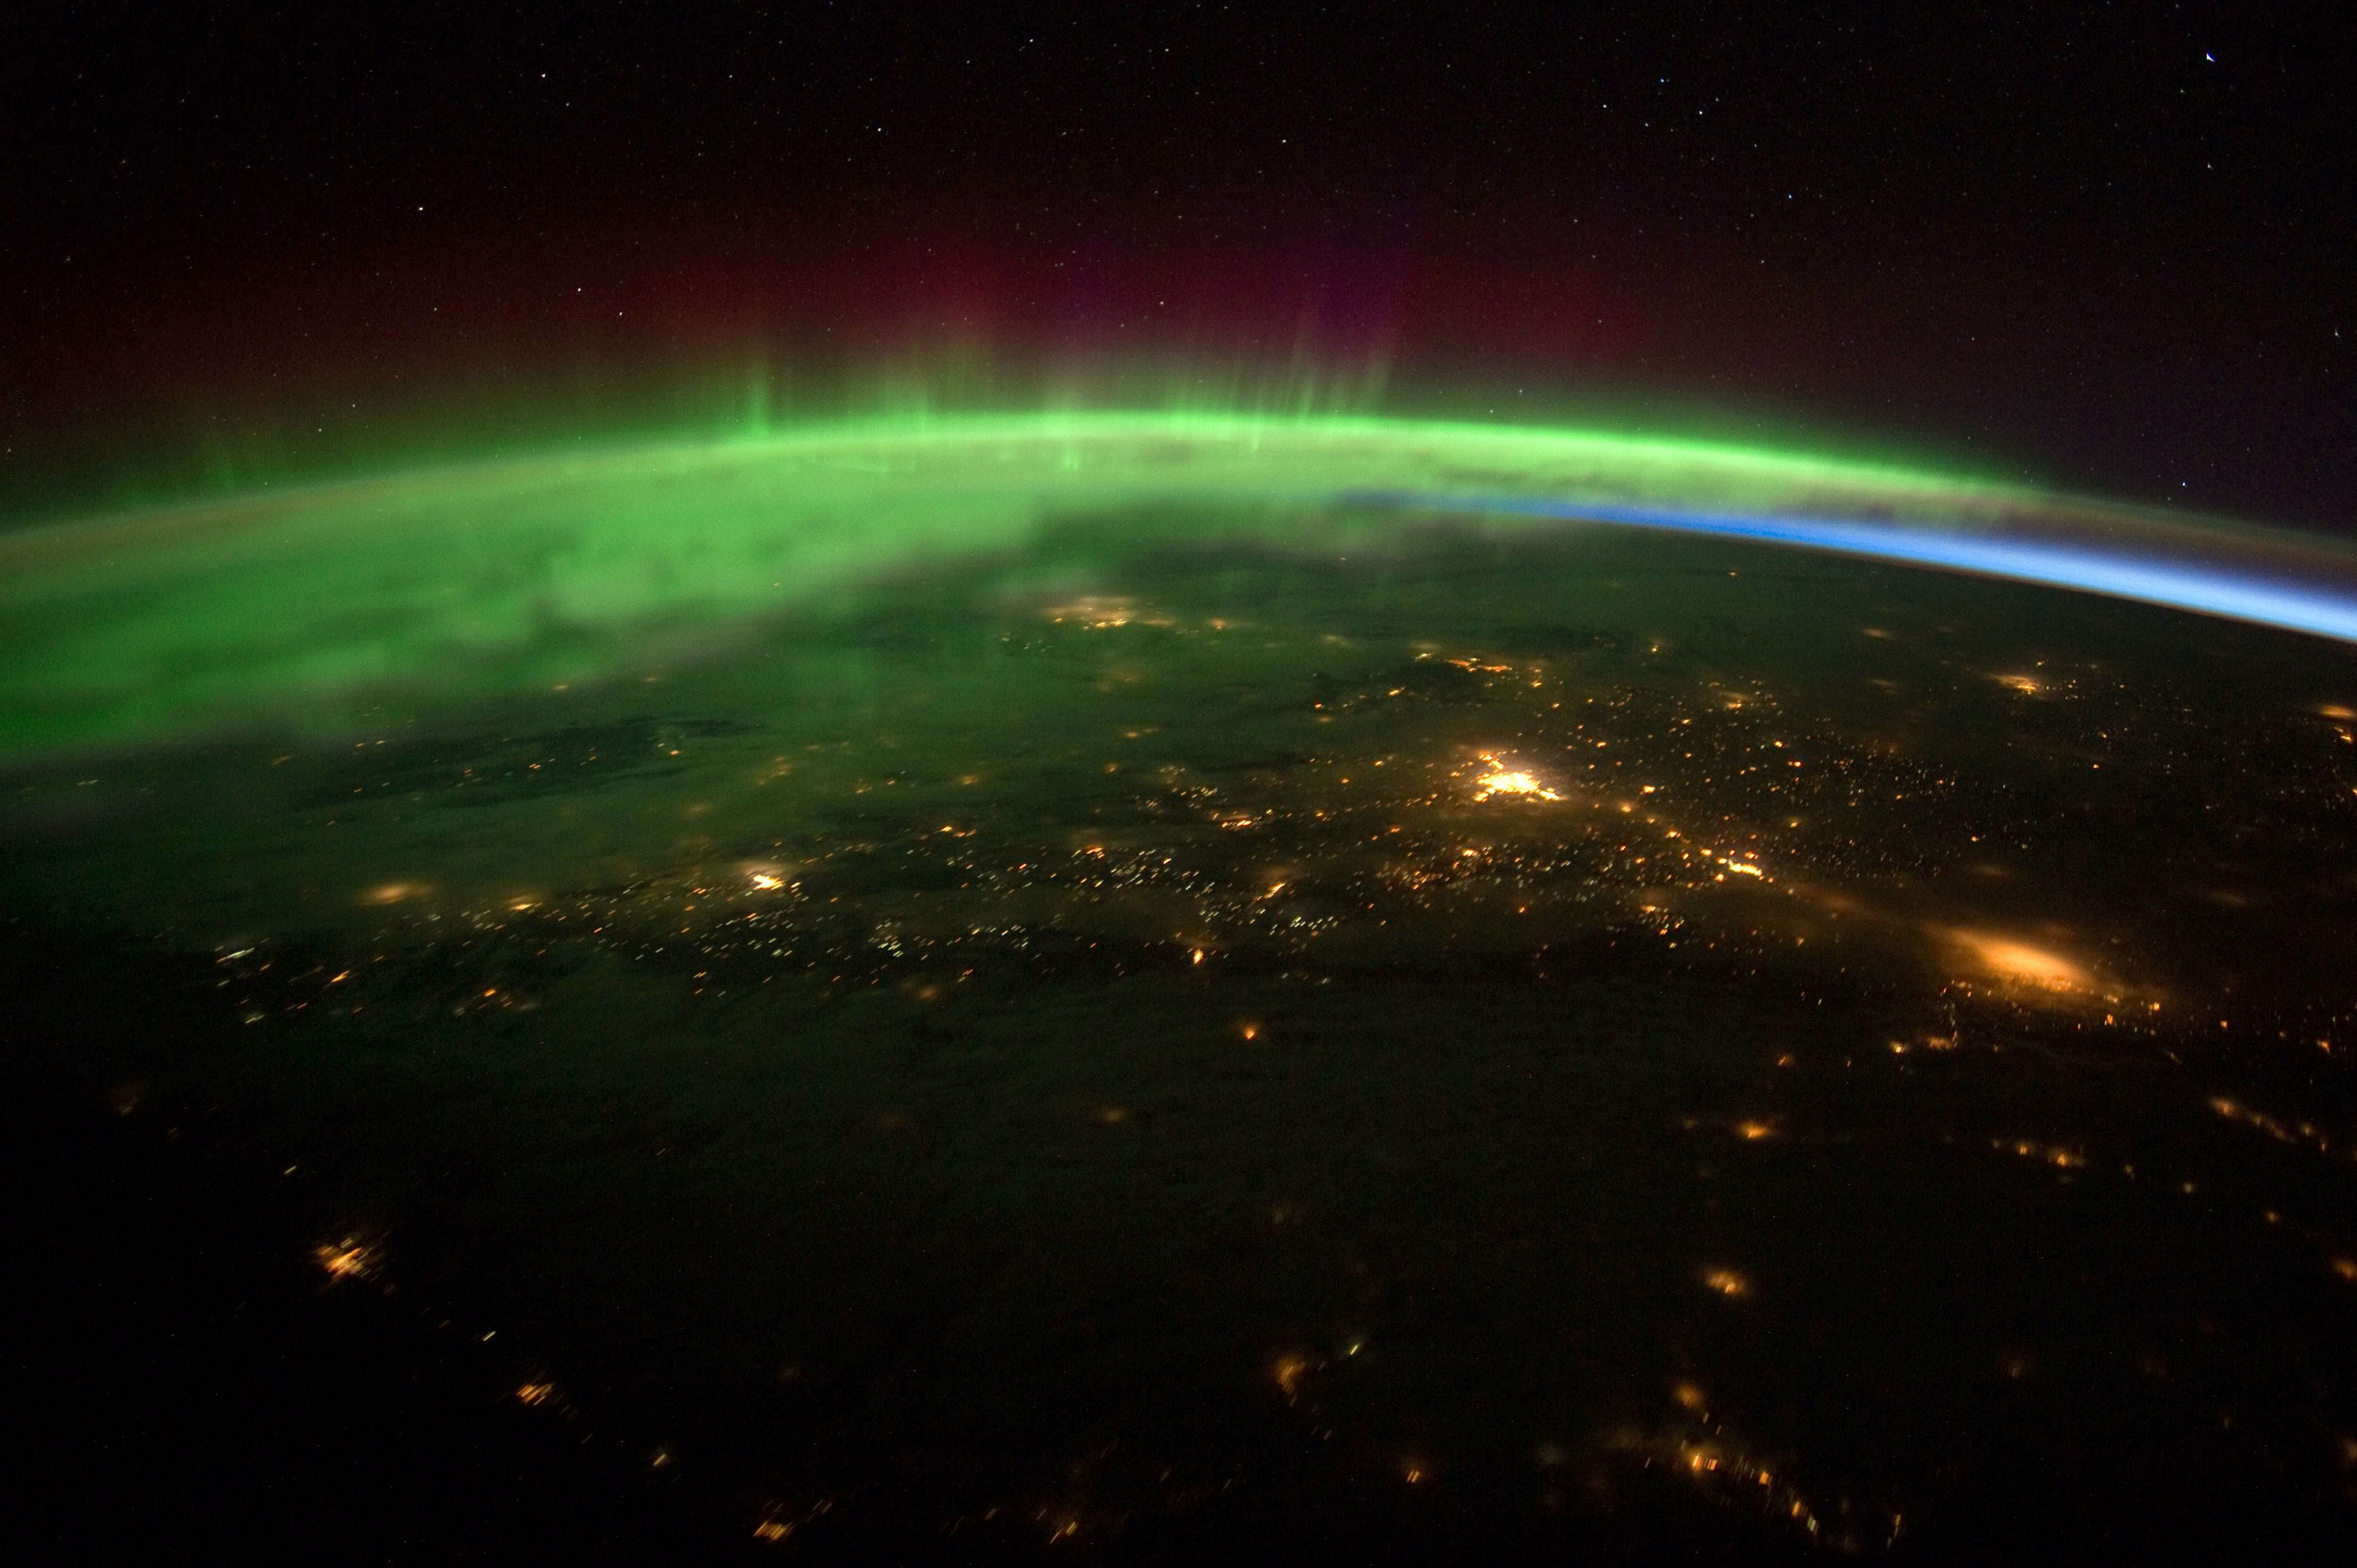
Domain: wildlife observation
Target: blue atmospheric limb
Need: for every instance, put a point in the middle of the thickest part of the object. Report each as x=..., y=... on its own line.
x=2281, y=602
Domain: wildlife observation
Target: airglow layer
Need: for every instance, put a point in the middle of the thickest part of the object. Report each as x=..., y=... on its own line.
x=2234, y=595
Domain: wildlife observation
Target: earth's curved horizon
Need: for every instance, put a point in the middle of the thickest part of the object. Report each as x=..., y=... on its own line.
x=1186, y=987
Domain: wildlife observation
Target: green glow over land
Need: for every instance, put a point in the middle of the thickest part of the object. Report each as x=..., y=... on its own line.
x=292, y=606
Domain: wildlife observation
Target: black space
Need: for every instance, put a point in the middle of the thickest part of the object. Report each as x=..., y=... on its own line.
x=2103, y=245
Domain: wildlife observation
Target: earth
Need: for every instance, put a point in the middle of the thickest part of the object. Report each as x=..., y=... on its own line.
x=1081, y=996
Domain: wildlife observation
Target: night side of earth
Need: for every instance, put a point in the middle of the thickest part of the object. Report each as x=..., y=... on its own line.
x=1128, y=983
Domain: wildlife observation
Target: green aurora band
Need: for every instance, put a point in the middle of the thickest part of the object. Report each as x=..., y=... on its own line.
x=297, y=606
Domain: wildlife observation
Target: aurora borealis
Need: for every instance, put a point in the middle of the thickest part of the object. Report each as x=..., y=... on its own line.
x=971, y=784
x=470, y=580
